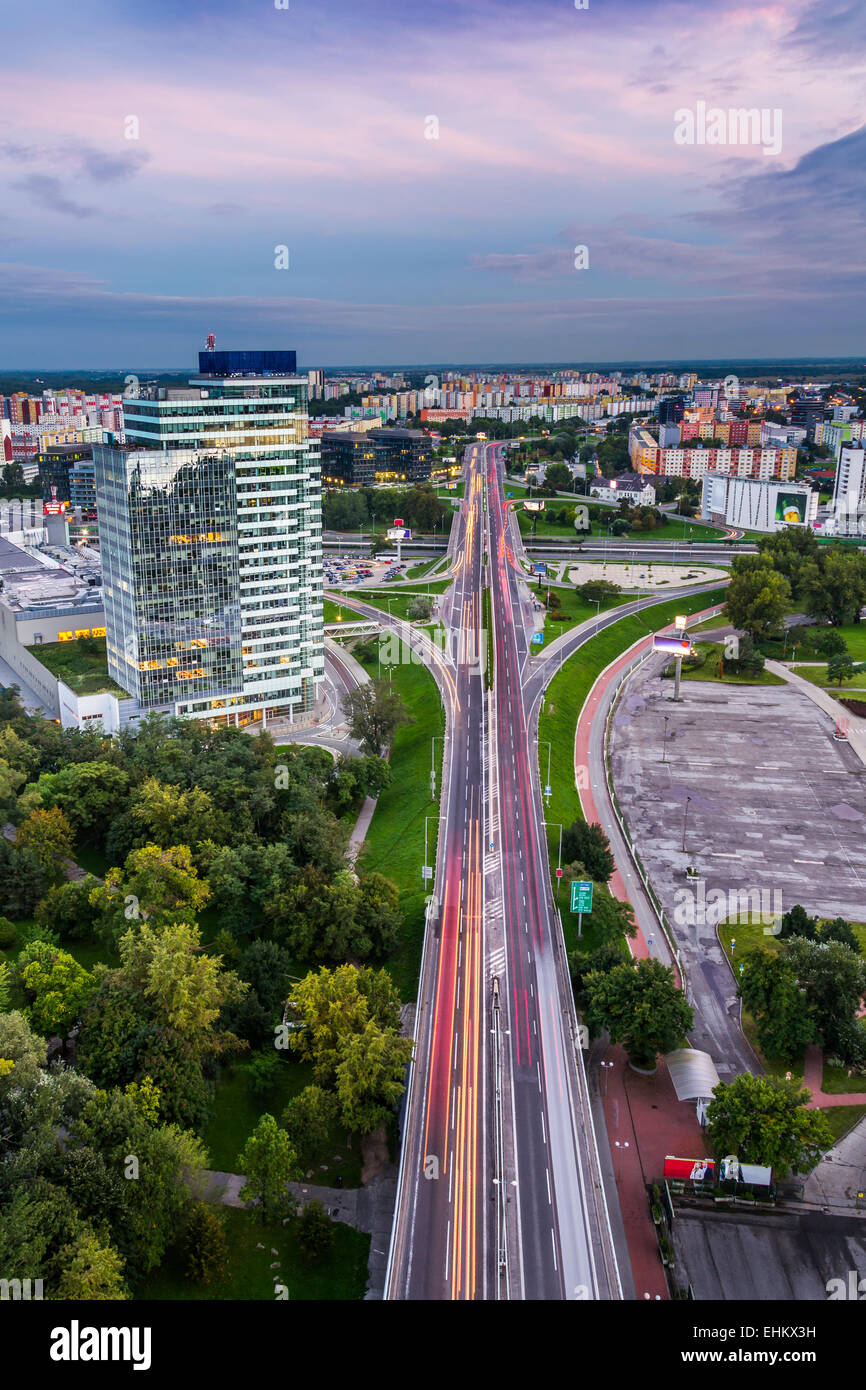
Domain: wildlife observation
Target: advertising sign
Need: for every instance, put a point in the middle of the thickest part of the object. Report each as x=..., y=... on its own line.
x=399, y=533
x=533, y=506
x=679, y=646
x=791, y=508
x=695, y=1169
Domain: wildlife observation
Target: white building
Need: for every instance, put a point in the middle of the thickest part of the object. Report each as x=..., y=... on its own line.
x=754, y=504
x=633, y=487
x=848, y=509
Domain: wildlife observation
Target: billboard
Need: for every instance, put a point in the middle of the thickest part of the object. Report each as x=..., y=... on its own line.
x=399, y=533
x=534, y=506
x=679, y=646
x=791, y=508
x=695, y=1169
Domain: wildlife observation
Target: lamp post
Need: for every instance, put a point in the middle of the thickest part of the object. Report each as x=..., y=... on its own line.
x=620, y=1147
x=606, y=1067
x=665, y=739
x=685, y=819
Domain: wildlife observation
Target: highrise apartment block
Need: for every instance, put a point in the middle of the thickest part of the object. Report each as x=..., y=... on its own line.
x=211, y=540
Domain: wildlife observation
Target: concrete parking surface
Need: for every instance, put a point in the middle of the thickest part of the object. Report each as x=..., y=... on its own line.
x=774, y=802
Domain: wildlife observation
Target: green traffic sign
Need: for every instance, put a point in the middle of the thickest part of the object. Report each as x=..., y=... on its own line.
x=581, y=897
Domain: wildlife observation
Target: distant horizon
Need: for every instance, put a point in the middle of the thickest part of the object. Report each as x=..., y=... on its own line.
x=590, y=364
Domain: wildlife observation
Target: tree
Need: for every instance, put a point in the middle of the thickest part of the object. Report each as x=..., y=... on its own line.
x=268, y=1163
x=839, y=930
x=836, y=585
x=50, y=837
x=420, y=607
x=589, y=845
x=557, y=477
x=595, y=589
x=371, y=1076
x=834, y=980
x=5, y=986
x=152, y=1205
x=757, y=598
x=159, y=886
x=797, y=922
x=58, y=988
x=91, y=1270
x=166, y=815
x=331, y=1006
x=379, y=915
x=762, y=1119
x=308, y=1119
x=352, y=778
x=640, y=1006
x=374, y=716
x=23, y=880
x=90, y=794
x=315, y=1230
x=840, y=668
x=769, y=990
x=13, y=475
x=66, y=909
x=205, y=1244
x=184, y=987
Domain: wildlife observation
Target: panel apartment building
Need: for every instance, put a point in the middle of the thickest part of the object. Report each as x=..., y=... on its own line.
x=211, y=541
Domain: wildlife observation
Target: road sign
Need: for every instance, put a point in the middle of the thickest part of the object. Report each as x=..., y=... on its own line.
x=398, y=521
x=559, y=873
x=538, y=638
x=581, y=896
x=548, y=791
x=509, y=494
x=426, y=871
x=539, y=569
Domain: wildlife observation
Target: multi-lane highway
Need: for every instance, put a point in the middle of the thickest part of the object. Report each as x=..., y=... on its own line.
x=500, y=1193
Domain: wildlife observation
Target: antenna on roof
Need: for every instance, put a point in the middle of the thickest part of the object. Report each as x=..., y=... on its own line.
x=211, y=342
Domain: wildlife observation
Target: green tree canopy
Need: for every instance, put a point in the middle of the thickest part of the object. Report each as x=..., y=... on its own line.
x=762, y=1119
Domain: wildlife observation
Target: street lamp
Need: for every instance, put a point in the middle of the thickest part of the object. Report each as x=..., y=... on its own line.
x=685, y=819
x=664, y=740
x=620, y=1148
x=606, y=1067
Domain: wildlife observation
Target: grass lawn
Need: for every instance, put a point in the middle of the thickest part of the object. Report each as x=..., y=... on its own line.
x=341, y=1274
x=418, y=571
x=841, y=1118
x=818, y=676
x=563, y=701
x=236, y=1112
x=712, y=670
x=399, y=599
x=448, y=494
x=83, y=672
x=395, y=841
x=575, y=610
x=855, y=637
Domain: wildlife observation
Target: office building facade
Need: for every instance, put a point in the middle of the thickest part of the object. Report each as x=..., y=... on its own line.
x=210, y=534
x=379, y=456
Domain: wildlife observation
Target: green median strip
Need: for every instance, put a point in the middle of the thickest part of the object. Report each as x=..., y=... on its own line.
x=395, y=840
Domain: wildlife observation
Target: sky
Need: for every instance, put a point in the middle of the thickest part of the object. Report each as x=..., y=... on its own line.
x=486, y=181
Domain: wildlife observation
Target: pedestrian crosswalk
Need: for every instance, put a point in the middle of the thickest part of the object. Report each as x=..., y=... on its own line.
x=496, y=962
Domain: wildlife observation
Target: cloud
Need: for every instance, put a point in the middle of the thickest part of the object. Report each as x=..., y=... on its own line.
x=48, y=192
x=832, y=31
x=100, y=166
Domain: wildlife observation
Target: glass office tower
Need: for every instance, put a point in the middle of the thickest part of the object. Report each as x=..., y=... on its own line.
x=211, y=539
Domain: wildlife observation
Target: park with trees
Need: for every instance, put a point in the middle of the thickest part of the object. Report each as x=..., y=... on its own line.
x=211, y=992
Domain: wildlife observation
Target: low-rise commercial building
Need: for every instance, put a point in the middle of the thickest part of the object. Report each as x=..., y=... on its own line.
x=378, y=456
